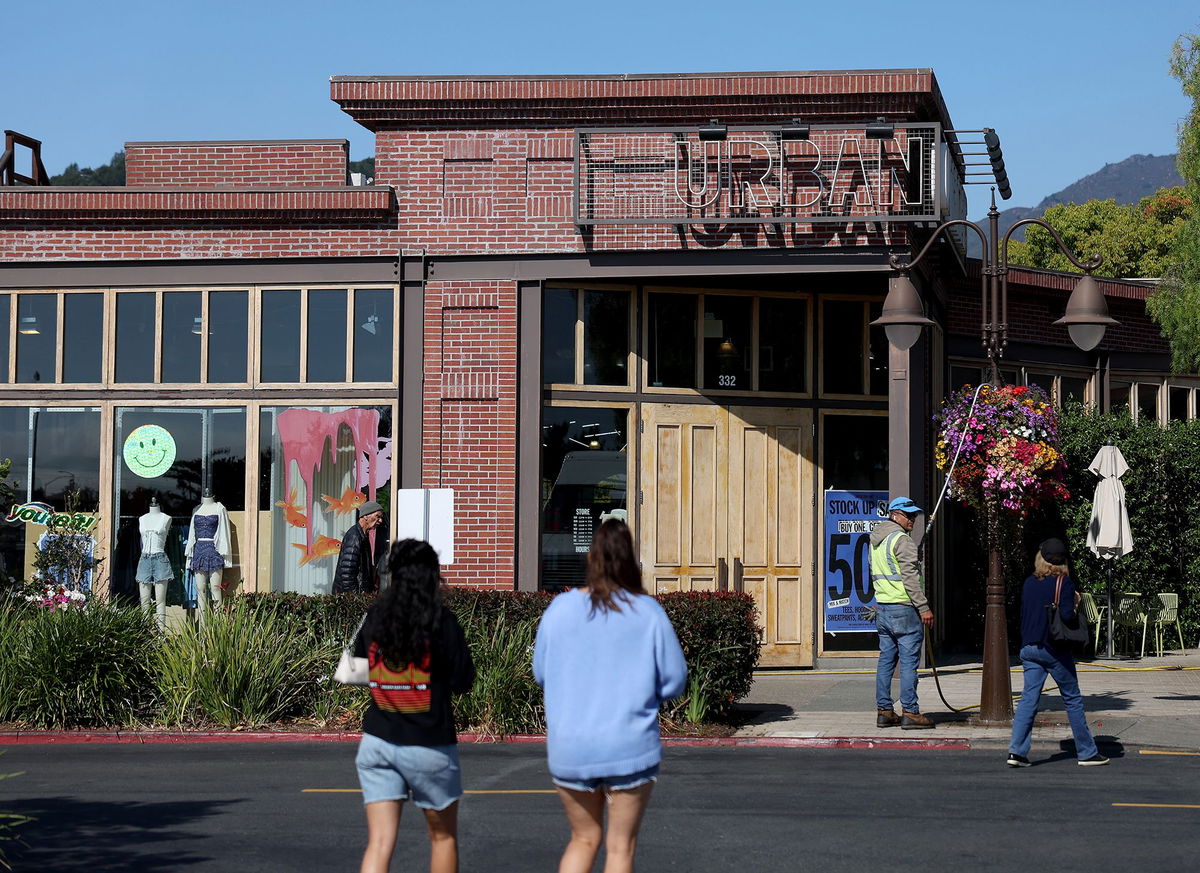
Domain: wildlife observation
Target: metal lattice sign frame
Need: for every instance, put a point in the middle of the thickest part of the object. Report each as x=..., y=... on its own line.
x=757, y=175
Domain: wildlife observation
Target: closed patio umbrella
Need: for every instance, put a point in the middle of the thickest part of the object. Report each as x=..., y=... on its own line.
x=1108, y=534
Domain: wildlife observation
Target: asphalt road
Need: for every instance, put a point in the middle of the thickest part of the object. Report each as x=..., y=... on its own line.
x=250, y=808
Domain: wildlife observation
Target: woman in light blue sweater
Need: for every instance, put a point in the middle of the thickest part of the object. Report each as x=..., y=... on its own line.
x=607, y=658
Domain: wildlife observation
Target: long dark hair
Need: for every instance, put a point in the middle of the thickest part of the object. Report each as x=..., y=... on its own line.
x=408, y=614
x=612, y=571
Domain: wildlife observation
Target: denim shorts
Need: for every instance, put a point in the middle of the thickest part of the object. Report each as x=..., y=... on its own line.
x=610, y=783
x=428, y=775
x=154, y=568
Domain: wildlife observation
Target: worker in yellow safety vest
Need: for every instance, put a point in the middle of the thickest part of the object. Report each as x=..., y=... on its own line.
x=902, y=614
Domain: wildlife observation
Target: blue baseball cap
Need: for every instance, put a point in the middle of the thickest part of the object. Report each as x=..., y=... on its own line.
x=904, y=504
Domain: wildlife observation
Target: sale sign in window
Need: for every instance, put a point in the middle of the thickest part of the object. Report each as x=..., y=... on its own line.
x=850, y=516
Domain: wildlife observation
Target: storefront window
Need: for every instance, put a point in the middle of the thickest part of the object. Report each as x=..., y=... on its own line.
x=280, y=340
x=1147, y=401
x=319, y=464
x=671, y=351
x=782, y=344
x=842, y=337
x=1118, y=396
x=373, y=343
x=181, y=333
x=1177, y=402
x=855, y=453
x=4, y=298
x=173, y=453
x=606, y=337
x=727, y=331
x=559, y=313
x=227, y=336
x=1072, y=388
x=584, y=472
x=37, y=337
x=326, y=336
x=83, y=336
x=55, y=454
x=135, y=336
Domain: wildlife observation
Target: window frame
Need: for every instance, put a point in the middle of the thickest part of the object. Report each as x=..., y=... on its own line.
x=578, y=358
x=866, y=300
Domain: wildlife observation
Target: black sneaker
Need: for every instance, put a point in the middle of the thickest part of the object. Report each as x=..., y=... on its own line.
x=1018, y=761
x=1097, y=760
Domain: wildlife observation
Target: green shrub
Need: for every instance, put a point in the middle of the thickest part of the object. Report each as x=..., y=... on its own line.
x=78, y=667
x=504, y=699
x=720, y=637
x=244, y=667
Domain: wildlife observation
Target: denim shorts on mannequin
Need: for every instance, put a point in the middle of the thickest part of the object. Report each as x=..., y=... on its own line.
x=154, y=568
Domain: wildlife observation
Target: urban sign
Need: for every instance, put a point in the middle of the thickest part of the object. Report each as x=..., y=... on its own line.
x=829, y=174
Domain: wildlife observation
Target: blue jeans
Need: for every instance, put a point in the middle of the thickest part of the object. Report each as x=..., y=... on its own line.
x=1037, y=661
x=900, y=637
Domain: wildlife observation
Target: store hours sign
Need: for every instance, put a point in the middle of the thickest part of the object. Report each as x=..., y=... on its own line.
x=847, y=593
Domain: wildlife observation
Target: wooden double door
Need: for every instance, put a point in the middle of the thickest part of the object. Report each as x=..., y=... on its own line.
x=727, y=504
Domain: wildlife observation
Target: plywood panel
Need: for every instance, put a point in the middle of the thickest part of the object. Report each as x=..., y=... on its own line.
x=705, y=495
x=668, y=514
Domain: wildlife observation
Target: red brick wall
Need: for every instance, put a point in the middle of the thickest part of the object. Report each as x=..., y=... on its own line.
x=296, y=163
x=470, y=426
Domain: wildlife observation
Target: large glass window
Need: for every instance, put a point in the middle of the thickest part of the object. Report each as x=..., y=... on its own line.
x=83, y=337
x=606, y=337
x=373, y=342
x=4, y=298
x=560, y=310
x=843, y=335
x=584, y=473
x=877, y=352
x=782, y=344
x=280, y=340
x=1177, y=403
x=174, y=453
x=1147, y=401
x=227, y=328
x=182, y=330
x=55, y=454
x=135, y=336
x=326, y=356
x=319, y=464
x=727, y=330
x=855, y=452
x=37, y=337
x=1118, y=395
x=671, y=345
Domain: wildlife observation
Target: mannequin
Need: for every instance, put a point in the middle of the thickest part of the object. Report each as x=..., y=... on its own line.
x=153, y=569
x=207, y=550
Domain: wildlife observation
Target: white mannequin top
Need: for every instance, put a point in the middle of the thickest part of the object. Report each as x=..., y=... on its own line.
x=209, y=506
x=153, y=527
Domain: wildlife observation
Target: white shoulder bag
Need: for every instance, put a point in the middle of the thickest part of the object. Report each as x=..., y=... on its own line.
x=351, y=670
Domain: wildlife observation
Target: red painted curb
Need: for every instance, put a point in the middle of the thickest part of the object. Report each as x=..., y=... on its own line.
x=47, y=738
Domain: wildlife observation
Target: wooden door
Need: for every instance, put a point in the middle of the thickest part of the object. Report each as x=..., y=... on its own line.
x=727, y=504
x=770, y=525
x=684, y=474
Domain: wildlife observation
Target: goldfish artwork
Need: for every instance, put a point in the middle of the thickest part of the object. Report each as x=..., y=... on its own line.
x=348, y=502
x=292, y=512
x=324, y=547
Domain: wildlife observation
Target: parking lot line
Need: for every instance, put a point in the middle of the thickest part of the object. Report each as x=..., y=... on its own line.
x=1163, y=752
x=1161, y=805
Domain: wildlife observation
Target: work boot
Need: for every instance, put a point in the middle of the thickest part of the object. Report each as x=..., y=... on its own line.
x=886, y=718
x=914, y=721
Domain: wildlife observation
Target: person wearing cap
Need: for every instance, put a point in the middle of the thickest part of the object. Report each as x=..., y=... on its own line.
x=902, y=614
x=355, y=571
x=1048, y=584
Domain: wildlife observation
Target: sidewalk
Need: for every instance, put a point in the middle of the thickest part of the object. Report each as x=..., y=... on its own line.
x=1127, y=701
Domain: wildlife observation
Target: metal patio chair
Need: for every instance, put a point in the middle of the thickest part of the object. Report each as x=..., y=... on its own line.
x=1129, y=614
x=1166, y=614
x=1093, y=613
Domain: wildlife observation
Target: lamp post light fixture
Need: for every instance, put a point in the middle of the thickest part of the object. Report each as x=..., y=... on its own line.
x=1086, y=318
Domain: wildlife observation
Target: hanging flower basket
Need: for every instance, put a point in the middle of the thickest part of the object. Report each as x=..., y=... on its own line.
x=1009, y=457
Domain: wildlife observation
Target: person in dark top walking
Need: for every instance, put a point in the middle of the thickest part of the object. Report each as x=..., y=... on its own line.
x=418, y=658
x=1039, y=656
x=355, y=572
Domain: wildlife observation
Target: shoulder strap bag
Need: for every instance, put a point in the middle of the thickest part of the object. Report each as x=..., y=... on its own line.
x=352, y=670
x=1070, y=636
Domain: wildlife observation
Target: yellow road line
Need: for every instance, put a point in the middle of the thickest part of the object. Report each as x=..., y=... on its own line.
x=478, y=791
x=1157, y=752
x=1161, y=805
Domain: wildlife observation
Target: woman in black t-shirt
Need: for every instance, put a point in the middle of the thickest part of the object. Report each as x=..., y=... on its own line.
x=418, y=658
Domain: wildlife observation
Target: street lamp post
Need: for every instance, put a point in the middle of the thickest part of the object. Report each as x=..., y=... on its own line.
x=1086, y=318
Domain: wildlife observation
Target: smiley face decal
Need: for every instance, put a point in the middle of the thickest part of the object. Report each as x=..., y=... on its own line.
x=149, y=451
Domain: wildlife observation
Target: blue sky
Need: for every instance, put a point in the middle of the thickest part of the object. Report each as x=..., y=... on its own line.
x=1068, y=85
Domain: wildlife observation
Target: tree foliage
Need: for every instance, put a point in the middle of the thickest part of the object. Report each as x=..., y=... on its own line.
x=112, y=173
x=1175, y=305
x=1135, y=241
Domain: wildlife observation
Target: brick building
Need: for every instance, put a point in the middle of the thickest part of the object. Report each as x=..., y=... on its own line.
x=565, y=298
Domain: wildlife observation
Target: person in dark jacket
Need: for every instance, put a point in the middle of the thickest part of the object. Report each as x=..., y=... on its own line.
x=1039, y=656
x=418, y=659
x=355, y=571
